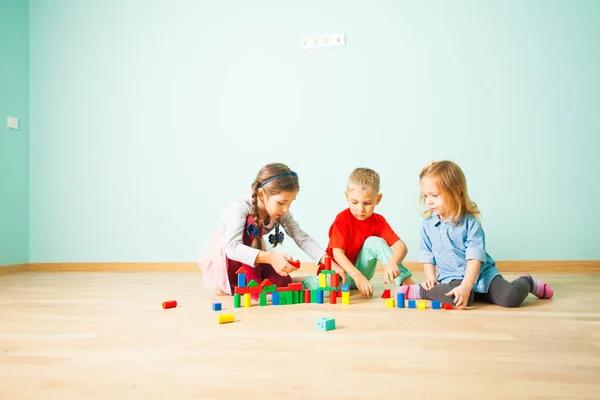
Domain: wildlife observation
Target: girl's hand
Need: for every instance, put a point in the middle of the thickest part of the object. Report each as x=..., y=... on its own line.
x=364, y=286
x=461, y=295
x=430, y=283
x=390, y=273
x=280, y=263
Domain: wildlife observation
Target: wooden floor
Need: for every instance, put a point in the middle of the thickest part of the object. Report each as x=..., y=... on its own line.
x=94, y=335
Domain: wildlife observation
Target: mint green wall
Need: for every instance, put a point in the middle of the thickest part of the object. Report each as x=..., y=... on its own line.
x=147, y=116
x=14, y=144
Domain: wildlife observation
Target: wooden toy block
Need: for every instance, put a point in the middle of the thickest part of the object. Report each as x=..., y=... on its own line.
x=256, y=289
x=237, y=300
x=275, y=298
x=289, y=297
x=283, y=299
x=412, y=304
x=400, y=300
x=322, y=280
x=217, y=306
x=306, y=296
x=246, y=300
x=270, y=289
x=225, y=318
x=335, y=280
x=242, y=290
x=345, y=288
x=327, y=263
x=326, y=324
x=169, y=304
x=241, y=280
x=328, y=288
x=332, y=297
x=346, y=298
x=266, y=283
x=328, y=272
x=283, y=289
x=294, y=297
x=313, y=296
x=301, y=297
x=339, y=293
x=447, y=306
x=241, y=270
x=319, y=297
x=296, y=264
x=436, y=305
x=386, y=294
x=389, y=303
x=295, y=286
x=252, y=283
x=421, y=305
x=262, y=299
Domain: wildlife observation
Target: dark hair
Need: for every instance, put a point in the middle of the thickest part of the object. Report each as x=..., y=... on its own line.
x=287, y=182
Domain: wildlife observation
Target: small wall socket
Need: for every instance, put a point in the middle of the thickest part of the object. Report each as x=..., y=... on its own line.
x=316, y=42
x=12, y=122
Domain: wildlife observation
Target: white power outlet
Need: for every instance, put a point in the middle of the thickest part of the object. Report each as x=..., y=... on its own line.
x=12, y=122
x=316, y=42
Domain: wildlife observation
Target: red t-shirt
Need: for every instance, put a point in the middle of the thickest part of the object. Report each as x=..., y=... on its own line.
x=349, y=234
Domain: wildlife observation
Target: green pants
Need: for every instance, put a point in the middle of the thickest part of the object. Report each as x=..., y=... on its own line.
x=374, y=249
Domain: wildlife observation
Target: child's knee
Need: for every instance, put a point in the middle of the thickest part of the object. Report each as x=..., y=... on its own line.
x=374, y=242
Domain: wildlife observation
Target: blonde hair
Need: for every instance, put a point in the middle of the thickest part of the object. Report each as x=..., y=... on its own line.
x=452, y=185
x=364, y=179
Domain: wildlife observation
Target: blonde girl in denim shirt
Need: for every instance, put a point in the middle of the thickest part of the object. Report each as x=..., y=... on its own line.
x=453, y=241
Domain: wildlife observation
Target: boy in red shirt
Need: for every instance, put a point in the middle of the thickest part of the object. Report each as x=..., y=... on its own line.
x=359, y=238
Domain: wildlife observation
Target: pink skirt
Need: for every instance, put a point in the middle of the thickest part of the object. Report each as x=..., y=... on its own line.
x=213, y=265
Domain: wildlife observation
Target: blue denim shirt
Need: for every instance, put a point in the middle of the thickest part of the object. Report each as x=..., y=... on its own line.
x=449, y=246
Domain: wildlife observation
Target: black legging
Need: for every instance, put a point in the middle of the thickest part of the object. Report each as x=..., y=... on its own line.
x=500, y=292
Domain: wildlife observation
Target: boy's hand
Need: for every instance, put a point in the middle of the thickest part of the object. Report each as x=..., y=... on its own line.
x=280, y=263
x=430, y=283
x=364, y=286
x=461, y=295
x=390, y=273
x=339, y=270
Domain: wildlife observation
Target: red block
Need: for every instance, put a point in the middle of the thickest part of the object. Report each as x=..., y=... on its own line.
x=283, y=289
x=332, y=297
x=242, y=290
x=169, y=304
x=295, y=286
x=447, y=306
x=256, y=289
x=307, y=296
x=296, y=264
x=339, y=293
x=386, y=294
x=327, y=262
x=266, y=282
x=335, y=280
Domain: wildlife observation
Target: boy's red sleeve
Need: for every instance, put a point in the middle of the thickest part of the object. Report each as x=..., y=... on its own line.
x=386, y=232
x=338, y=235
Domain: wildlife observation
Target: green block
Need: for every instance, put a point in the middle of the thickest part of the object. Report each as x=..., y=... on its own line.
x=262, y=299
x=294, y=297
x=282, y=299
x=301, y=297
x=289, y=297
x=326, y=324
x=270, y=289
x=328, y=288
x=313, y=296
x=236, y=300
x=252, y=283
x=328, y=272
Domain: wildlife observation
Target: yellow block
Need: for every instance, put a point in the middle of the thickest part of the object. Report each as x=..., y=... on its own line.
x=346, y=298
x=421, y=305
x=225, y=318
x=389, y=303
x=322, y=280
x=246, y=299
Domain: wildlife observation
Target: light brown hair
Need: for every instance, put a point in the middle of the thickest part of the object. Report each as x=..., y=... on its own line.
x=364, y=179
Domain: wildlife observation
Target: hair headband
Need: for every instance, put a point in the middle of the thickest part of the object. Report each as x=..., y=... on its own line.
x=278, y=176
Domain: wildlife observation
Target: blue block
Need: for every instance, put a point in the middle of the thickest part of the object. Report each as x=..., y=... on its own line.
x=216, y=306
x=400, y=300
x=242, y=280
x=319, y=297
x=412, y=304
x=435, y=304
x=275, y=298
x=326, y=324
x=345, y=288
